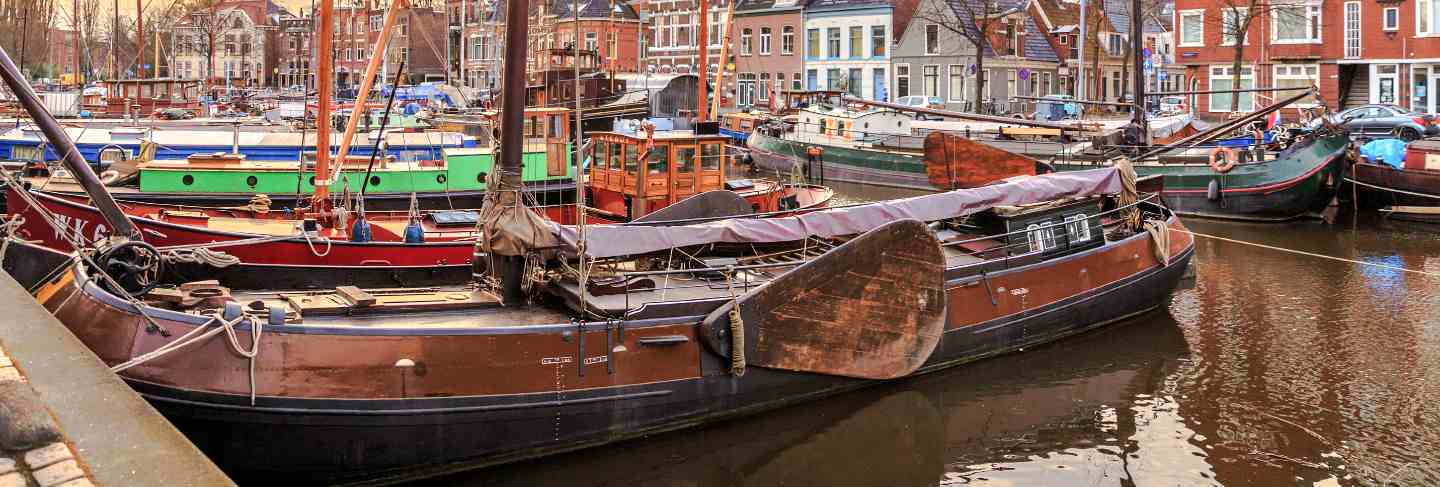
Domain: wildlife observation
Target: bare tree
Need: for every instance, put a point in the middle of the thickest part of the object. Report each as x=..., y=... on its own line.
x=202, y=26
x=25, y=24
x=1236, y=17
x=972, y=20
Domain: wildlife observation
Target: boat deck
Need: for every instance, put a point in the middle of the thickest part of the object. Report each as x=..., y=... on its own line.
x=410, y=309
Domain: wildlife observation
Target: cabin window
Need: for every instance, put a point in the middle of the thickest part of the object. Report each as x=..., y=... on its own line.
x=710, y=157
x=631, y=159
x=659, y=162
x=615, y=157
x=600, y=155
x=1077, y=227
x=1040, y=236
x=532, y=126
x=554, y=126
x=839, y=129
x=824, y=126
x=685, y=160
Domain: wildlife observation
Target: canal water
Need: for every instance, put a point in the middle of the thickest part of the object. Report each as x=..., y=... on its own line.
x=1273, y=369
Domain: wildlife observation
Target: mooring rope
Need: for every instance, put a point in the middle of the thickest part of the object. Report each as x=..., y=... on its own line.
x=1309, y=254
x=195, y=336
x=737, y=328
x=1392, y=190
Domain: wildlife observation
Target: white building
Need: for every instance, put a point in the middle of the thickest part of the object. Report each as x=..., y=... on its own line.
x=847, y=46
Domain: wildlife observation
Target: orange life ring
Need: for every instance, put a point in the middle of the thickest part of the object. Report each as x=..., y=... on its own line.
x=1229, y=163
x=814, y=151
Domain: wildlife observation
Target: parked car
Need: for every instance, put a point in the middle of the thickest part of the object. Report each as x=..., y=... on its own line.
x=1055, y=107
x=1171, y=104
x=1377, y=121
x=918, y=101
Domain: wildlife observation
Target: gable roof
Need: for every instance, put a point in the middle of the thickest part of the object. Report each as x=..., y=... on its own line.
x=823, y=5
x=1037, y=44
x=758, y=6
x=594, y=9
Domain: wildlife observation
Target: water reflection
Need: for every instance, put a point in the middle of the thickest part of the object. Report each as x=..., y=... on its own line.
x=1018, y=419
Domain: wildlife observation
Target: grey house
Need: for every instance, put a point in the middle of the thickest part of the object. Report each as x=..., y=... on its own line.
x=931, y=59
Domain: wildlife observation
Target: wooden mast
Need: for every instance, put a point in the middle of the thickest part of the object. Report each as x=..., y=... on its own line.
x=702, y=92
x=725, y=32
x=362, y=98
x=139, y=41
x=323, y=86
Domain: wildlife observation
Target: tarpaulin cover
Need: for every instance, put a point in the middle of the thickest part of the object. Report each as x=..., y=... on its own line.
x=617, y=240
x=1385, y=151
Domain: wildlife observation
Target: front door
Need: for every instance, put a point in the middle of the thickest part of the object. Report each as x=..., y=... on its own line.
x=682, y=173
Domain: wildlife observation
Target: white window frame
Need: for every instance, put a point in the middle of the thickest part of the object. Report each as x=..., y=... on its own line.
x=1385, y=19
x=926, y=34
x=1180, y=25
x=1224, y=73
x=953, y=71
x=787, y=40
x=745, y=41
x=1297, y=71
x=902, y=67
x=1313, y=18
x=1077, y=228
x=1423, y=29
x=765, y=41
x=1245, y=36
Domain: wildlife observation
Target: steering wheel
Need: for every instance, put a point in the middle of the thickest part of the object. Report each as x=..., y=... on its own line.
x=134, y=265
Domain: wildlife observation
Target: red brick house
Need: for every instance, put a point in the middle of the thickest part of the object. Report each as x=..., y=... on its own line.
x=1356, y=52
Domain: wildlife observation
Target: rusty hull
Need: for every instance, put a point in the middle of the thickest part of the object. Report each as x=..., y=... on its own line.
x=955, y=162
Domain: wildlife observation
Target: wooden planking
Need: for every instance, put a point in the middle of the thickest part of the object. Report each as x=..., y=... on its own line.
x=954, y=162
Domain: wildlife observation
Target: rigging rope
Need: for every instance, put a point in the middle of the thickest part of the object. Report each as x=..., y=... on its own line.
x=1309, y=254
x=1392, y=190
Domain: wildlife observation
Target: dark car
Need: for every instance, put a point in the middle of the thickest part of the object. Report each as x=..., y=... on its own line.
x=174, y=114
x=1379, y=121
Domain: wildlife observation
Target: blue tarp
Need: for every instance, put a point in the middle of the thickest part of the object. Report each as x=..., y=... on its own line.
x=1388, y=151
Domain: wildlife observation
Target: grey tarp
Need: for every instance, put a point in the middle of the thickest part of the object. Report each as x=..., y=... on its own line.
x=617, y=240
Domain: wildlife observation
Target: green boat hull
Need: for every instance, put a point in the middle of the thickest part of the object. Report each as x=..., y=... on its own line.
x=862, y=166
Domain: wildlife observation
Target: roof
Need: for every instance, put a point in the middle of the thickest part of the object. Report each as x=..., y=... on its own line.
x=756, y=6
x=1037, y=46
x=1060, y=13
x=1118, y=11
x=823, y=5
x=965, y=10
x=595, y=9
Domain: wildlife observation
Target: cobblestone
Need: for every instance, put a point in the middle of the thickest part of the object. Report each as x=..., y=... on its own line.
x=58, y=473
x=40, y=457
x=13, y=480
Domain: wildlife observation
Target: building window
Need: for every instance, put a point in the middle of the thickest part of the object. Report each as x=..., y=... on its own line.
x=1392, y=18
x=902, y=80
x=1221, y=78
x=745, y=42
x=1114, y=43
x=1298, y=76
x=745, y=89
x=592, y=41
x=1230, y=20
x=931, y=83
x=1011, y=40
x=1427, y=17
x=764, y=41
x=1013, y=78
x=878, y=40
x=1192, y=28
x=796, y=84
x=812, y=79
x=787, y=40
x=812, y=41
x=857, y=42
x=764, y=93
x=932, y=38
x=853, y=83
x=957, y=82
x=833, y=79
x=878, y=90
x=1296, y=23
x=832, y=36
x=1075, y=47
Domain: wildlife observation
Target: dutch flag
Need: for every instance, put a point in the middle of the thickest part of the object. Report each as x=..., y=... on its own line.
x=1272, y=120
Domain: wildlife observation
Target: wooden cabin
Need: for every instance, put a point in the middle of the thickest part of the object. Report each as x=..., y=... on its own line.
x=795, y=100
x=841, y=126
x=680, y=164
x=739, y=125
x=144, y=96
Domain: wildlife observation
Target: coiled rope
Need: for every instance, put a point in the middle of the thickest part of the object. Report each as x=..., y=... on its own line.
x=737, y=327
x=200, y=255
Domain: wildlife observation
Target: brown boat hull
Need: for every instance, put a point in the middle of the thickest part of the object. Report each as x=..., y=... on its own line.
x=323, y=409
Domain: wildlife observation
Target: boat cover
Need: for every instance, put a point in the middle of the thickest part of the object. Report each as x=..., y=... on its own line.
x=616, y=240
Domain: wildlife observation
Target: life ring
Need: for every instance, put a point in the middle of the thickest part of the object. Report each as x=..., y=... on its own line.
x=1226, y=166
x=814, y=151
x=109, y=177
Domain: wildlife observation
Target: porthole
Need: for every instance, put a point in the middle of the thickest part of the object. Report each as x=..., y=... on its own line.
x=252, y=181
x=480, y=178
x=312, y=180
x=187, y=180
x=374, y=180
x=440, y=178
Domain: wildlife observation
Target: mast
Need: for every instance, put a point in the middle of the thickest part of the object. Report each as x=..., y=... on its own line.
x=1137, y=73
x=362, y=97
x=139, y=41
x=120, y=225
x=725, y=32
x=323, y=85
x=1079, y=83
x=702, y=92
x=75, y=21
x=580, y=179
x=464, y=80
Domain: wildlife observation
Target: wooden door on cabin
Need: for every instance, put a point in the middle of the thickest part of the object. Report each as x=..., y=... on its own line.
x=712, y=167
x=657, y=170
x=557, y=154
x=682, y=172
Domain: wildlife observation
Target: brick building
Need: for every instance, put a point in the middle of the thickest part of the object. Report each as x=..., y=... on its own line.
x=63, y=53
x=1355, y=52
x=766, y=37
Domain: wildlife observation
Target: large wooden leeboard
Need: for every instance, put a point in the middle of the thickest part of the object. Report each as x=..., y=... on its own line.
x=872, y=308
x=955, y=162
